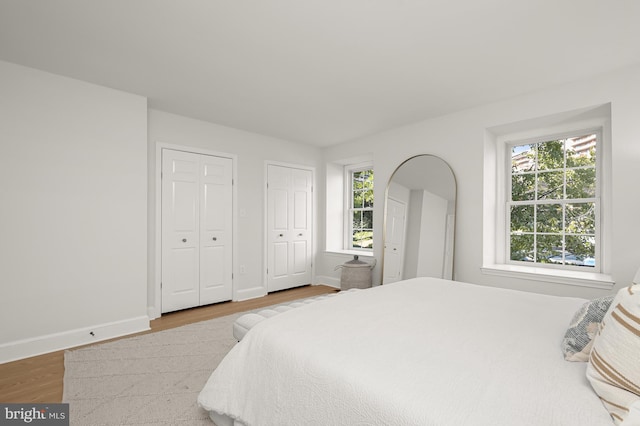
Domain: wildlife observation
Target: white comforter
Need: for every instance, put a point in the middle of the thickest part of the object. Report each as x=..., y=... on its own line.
x=417, y=352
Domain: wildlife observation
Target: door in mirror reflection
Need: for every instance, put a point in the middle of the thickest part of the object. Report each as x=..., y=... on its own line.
x=395, y=234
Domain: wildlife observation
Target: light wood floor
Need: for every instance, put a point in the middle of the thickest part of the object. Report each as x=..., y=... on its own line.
x=39, y=379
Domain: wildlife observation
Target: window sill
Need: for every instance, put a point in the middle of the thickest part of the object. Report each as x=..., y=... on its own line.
x=351, y=252
x=577, y=278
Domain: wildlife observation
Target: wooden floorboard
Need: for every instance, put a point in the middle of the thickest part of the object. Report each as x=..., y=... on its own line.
x=39, y=379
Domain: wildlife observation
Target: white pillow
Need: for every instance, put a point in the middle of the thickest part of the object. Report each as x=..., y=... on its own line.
x=614, y=363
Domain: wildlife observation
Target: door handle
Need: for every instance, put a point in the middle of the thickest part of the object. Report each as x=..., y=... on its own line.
x=299, y=235
x=215, y=239
x=281, y=235
x=184, y=240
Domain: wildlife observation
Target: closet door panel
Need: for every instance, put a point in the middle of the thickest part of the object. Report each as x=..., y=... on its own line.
x=180, y=224
x=216, y=215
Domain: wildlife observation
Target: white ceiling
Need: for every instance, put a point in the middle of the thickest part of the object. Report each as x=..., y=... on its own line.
x=321, y=72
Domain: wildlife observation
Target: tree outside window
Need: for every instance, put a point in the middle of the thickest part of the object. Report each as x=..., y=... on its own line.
x=361, y=209
x=554, y=202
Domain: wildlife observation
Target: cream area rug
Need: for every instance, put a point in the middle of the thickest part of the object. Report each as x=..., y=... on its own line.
x=153, y=379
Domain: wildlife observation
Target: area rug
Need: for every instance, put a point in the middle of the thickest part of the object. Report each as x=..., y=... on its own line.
x=152, y=379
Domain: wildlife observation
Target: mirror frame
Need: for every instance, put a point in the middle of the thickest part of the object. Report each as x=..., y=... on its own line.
x=386, y=198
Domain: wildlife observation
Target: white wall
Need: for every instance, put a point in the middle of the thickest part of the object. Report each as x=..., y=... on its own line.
x=72, y=212
x=414, y=233
x=459, y=138
x=426, y=224
x=252, y=150
x=432, y=235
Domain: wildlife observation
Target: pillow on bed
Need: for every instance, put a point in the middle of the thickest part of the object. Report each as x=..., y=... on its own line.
x=614, y=363
x=578, y=339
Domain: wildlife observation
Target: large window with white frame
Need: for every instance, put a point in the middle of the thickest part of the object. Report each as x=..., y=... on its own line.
x=553, y=201
x=359, y=201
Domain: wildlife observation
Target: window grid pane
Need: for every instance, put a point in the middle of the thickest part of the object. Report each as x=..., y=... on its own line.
x=361, y=232
x=553, y=202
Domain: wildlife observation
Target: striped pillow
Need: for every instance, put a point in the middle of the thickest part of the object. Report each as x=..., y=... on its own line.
x=614, y=363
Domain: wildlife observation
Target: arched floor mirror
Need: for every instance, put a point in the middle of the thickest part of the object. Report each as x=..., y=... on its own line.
x=419, y=220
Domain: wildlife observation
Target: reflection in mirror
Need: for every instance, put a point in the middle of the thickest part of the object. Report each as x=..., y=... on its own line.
x=419, y=220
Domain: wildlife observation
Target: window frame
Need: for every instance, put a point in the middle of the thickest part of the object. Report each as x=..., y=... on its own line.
x=349, y=209
x=494, y=196
x=596, y=199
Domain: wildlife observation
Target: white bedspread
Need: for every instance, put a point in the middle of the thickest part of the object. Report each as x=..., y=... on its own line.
x=417, y=352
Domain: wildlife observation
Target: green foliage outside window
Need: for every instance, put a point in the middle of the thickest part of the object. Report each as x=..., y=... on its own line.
x=362, y=209
x=553, y=203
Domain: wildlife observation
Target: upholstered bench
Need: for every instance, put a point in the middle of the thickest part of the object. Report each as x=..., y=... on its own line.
x=247, y=321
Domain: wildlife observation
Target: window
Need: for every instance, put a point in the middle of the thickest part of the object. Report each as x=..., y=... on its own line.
x=359, y=215
x=546, y=212
x=553, y=202
x=339, y=234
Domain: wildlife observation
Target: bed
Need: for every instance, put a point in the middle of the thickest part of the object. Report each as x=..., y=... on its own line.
x=423, y=351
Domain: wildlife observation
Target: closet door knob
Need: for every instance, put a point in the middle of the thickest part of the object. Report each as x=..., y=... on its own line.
x=299, y=235
x=215, y=239
x=281, y=235
x=184, y=240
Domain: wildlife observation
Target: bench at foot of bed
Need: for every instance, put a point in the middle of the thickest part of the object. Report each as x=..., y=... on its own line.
x=247, y=321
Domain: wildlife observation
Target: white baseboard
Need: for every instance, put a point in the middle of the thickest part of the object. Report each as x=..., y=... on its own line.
x=153, y=312
x=249, y=293
x=325, y=280
x=26, y=348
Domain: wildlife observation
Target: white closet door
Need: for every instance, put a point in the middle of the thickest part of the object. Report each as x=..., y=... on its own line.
x=289, y=216
x=196, y=230
x=180, y=230
x=215, y=229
